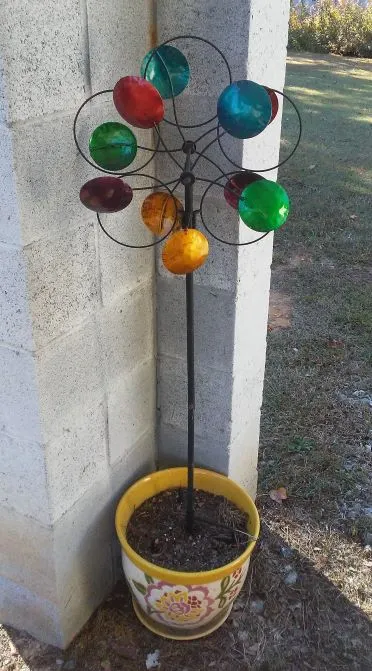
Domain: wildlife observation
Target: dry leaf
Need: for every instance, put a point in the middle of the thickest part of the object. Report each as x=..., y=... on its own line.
x=105, y=665
x=278, y=495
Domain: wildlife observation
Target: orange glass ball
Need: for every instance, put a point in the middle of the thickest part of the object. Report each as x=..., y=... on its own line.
x=185, y=251
x=160, y=211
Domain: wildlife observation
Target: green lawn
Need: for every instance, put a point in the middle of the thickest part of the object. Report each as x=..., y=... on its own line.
x=316, y=430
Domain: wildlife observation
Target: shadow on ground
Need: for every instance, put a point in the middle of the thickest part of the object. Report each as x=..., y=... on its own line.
x=289, y=617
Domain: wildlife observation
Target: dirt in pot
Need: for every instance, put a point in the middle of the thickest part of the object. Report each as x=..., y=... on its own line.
x=157, y=532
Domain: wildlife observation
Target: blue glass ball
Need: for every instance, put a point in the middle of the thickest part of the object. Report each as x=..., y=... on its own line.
x=166, y=68
x=244, y=109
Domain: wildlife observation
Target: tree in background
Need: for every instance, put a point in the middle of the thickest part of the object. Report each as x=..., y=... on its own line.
x=337, y=26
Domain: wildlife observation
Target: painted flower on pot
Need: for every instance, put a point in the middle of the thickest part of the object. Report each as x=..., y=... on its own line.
x=231, y=585
x=176, y=604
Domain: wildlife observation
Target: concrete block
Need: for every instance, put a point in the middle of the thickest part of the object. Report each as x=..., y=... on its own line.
x=9, y=220
x=243, y=454
x=252, y=301
x=23, y=478
x=71, y=567
x=3, y=100
x=266, y=53
x=43, y=59
x=208, y=20
x=131, y=408
x=70, y=381
x=24, y=610
x=117, y=41
x=77, y=459
x=126, y=332
x=214, y=321
x=26, y=554
x=15, y=324
x=246, y=398
x=191, y=109
x=212, y=398
x=122, y=268
x=172, y=449
x=63, y=282
x=83, y=560
x=19, y=411
x=49, y=173
x=139, y=461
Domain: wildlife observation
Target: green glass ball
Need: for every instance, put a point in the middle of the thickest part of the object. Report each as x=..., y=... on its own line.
x=112, y=146
x=167, y=69
x=264, y=206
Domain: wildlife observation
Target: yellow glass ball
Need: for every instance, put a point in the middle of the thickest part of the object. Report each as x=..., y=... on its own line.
x=185, y=251
x=160, y=211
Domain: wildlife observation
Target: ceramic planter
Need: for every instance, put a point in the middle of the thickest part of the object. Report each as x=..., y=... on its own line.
x=175, y=604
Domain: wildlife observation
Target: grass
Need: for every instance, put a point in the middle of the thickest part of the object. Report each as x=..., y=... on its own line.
x=315, y=425
x=316, y=430
x=322, y=269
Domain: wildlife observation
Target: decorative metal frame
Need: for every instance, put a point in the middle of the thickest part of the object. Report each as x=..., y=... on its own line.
x=187, y=178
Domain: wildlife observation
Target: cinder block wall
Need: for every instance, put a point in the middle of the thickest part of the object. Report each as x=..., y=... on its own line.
x=77, y=393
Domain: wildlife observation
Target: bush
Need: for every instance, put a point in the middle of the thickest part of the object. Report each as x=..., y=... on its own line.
x=337, y=26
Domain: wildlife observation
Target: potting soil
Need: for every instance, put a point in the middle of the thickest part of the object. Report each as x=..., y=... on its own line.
x=157, y=531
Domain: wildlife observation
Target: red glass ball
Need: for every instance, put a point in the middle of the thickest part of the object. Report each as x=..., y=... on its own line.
x=138, y=102
x=274, y=103
x=106, y=194
x=235, y=185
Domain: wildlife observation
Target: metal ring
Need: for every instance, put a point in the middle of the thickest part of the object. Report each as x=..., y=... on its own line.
x=152, y=244
x=278, y=165
x=94, y=165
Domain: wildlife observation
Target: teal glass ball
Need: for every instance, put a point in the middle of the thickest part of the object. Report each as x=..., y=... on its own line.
x=264, y=206
x=166, y=68
x=244, y=109
x=113, y=146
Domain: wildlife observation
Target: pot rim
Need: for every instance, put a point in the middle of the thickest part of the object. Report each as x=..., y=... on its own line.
x=167, y=477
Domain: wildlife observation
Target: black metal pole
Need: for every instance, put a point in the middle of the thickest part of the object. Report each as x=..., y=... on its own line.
x=188, y=221
x=190, y=401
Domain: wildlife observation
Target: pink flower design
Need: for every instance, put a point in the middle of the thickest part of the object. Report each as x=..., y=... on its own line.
x=178, y=604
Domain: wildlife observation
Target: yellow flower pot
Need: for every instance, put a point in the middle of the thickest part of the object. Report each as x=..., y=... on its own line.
x=176, y=604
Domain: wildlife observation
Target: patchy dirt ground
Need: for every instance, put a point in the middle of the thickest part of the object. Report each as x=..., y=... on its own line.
x=307, y=601
x=290, y=616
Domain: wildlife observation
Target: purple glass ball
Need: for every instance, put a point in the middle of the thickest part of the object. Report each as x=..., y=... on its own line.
x=235, y=185
x=106, y=194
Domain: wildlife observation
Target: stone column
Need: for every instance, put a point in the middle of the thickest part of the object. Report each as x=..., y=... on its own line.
x=77, y=398
x=232, y=288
